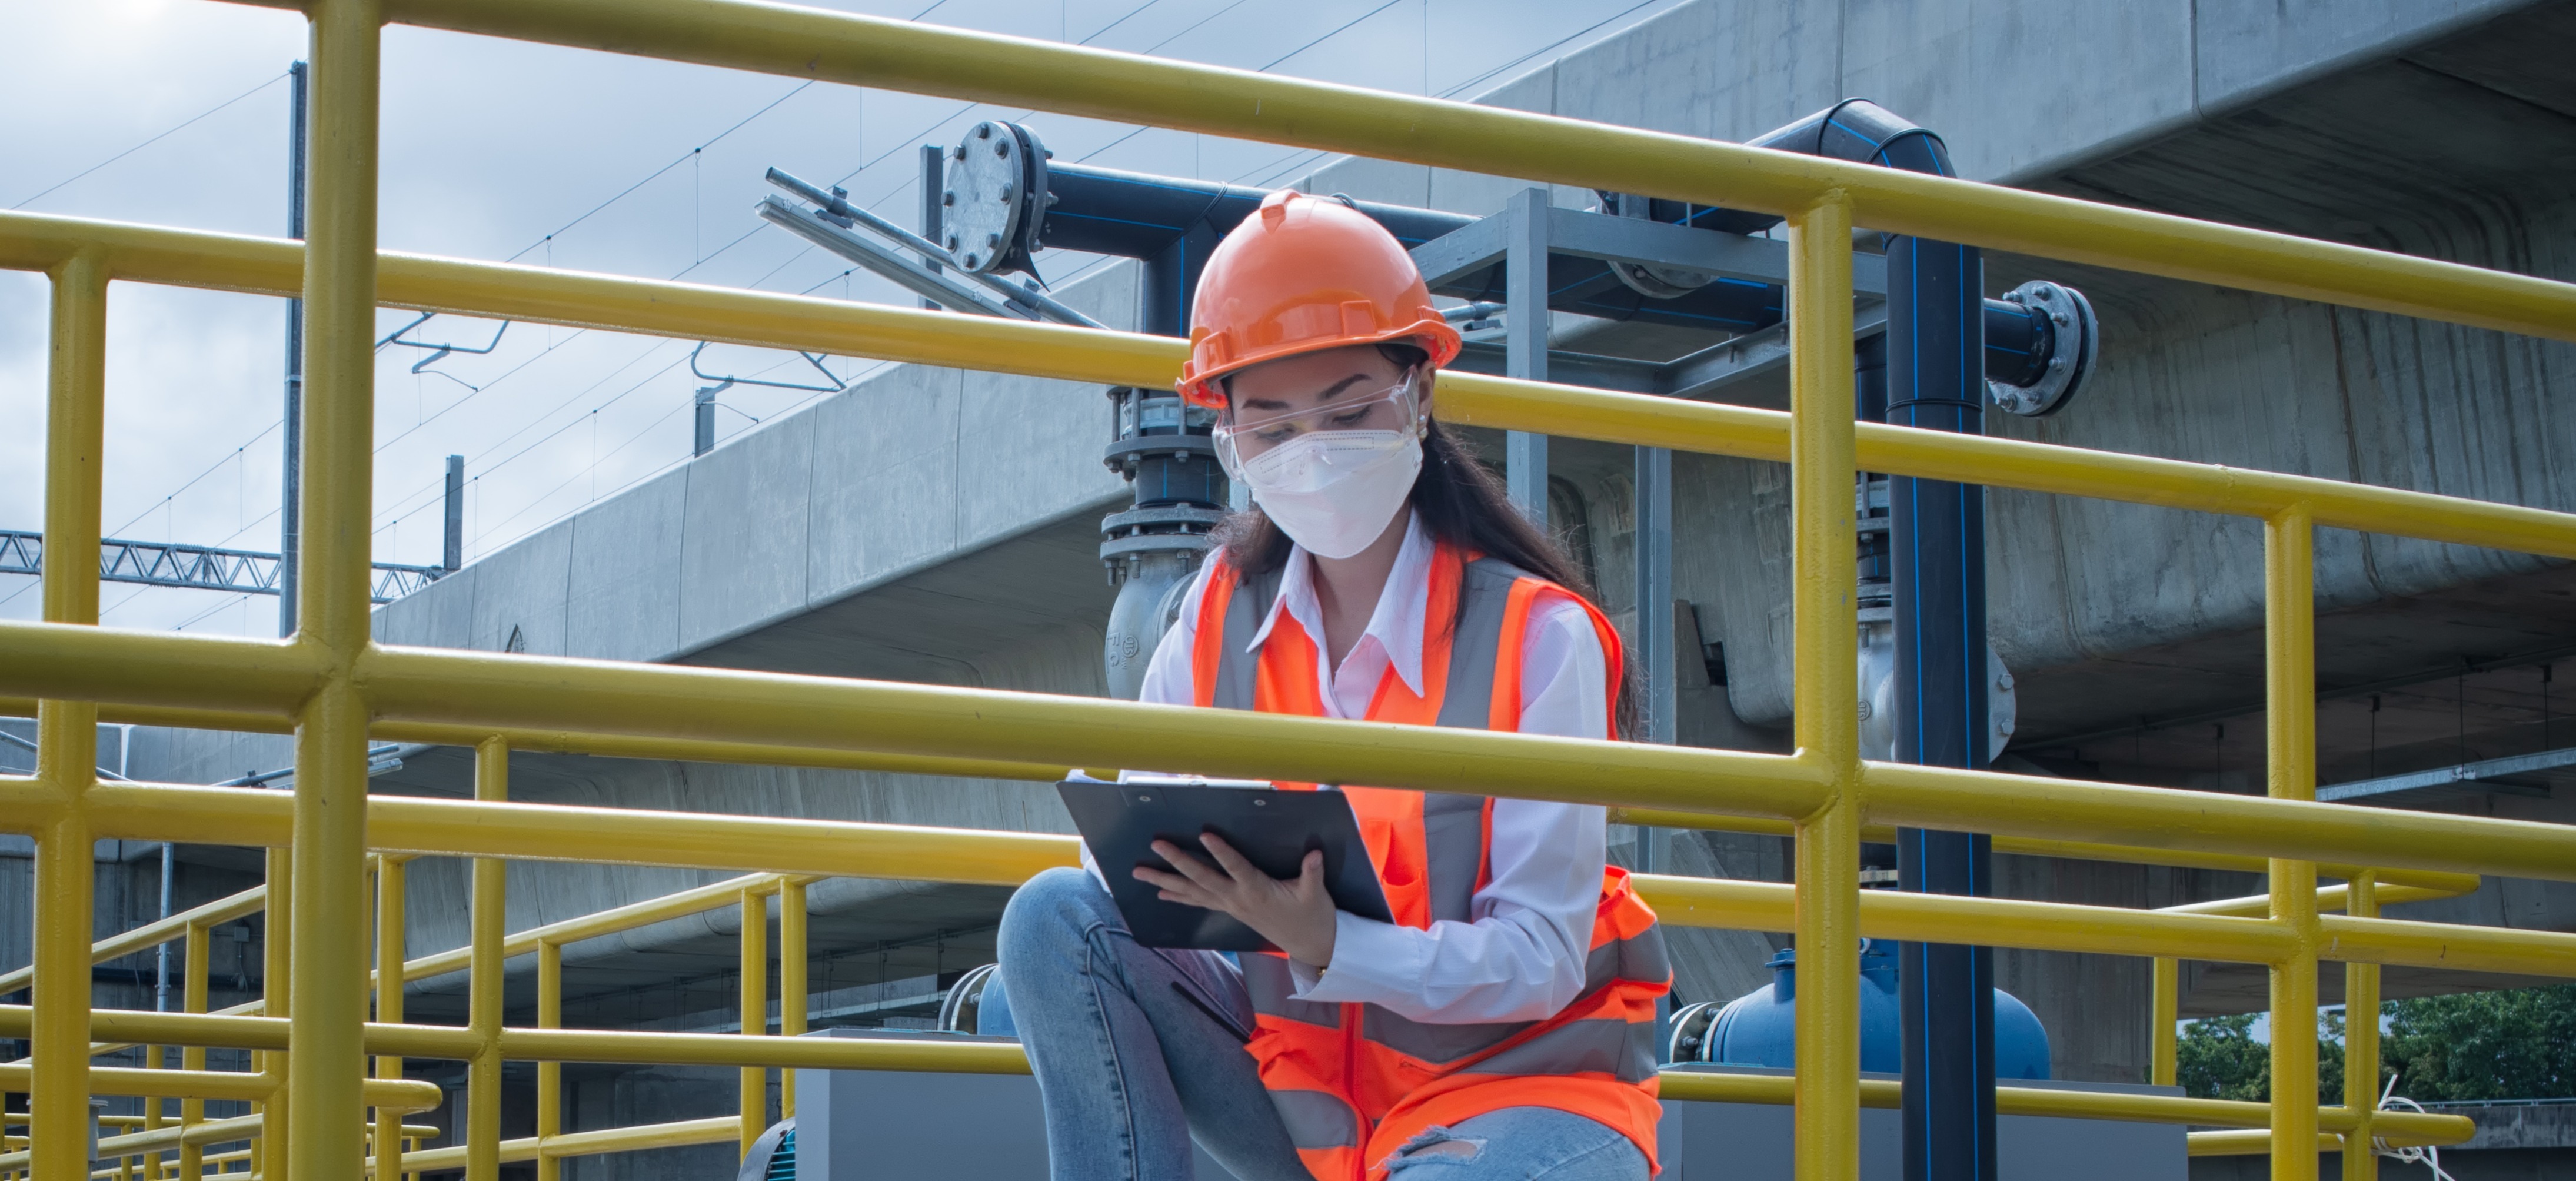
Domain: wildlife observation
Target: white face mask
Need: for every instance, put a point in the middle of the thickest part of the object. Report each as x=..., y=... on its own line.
x=1334, y=492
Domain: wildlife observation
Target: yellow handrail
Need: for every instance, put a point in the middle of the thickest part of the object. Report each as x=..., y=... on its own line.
x=808, y=43
x=240, y=263
x=335, y=687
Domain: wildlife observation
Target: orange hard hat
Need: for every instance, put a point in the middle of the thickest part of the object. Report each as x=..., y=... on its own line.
x=1299, y=275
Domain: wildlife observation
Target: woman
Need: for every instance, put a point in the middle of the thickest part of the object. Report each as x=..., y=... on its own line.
x=1501, y=1027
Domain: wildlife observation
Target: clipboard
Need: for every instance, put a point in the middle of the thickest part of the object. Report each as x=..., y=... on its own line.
x=1273, y=830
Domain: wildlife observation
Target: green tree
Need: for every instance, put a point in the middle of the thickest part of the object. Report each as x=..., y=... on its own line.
x=2515, y=1044
x=2219, y=1058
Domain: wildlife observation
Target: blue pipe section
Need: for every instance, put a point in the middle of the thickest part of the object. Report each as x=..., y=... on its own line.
x=1937, y=551
x=1760, y=1027
x=1928, y=372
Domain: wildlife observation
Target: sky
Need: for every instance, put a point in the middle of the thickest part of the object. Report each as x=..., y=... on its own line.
x=175, y=112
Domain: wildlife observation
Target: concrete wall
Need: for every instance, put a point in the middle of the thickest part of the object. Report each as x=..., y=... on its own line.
x=908, y=469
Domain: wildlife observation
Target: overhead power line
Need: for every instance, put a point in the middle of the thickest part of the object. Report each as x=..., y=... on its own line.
x=182, y=126
x=657, y=173
x=1272, y=172
x=1274, y=168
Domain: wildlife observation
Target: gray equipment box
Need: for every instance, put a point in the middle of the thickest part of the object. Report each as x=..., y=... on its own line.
x=865, y=1125
x=876, y=1125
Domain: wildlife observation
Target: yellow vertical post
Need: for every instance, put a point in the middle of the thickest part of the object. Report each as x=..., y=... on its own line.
x=192, y=999
x=335, y=506
x=549, y=1074
x=791, y=981
x=2290, y=740
x=277, y=999
x=2361, y=1037
x=67, y=731
x=483, y=979
x=2164, y=1012
x=392, y=876
x=375, y=896
x=1824, y=582
x=755, y=1010
x=154, y=1113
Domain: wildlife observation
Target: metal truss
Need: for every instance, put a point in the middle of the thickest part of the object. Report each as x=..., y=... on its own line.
x=197, y=567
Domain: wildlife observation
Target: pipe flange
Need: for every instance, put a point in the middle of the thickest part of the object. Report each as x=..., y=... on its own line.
x=996, y=176
x=962, y=1008
x=1155, y=543
x=2074, y=344
x=1170, y=514
x=1116, y=454
x=1692, y=1025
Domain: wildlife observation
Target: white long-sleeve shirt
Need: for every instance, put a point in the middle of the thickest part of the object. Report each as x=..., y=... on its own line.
x=1521, y=957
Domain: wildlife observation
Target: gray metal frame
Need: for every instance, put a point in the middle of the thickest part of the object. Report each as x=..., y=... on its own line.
x=1511, y=235
x=1624, y=239
x=2481, y=775
x=1523, y=236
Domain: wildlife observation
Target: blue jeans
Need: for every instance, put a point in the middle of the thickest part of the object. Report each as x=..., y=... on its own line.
x=1138, y=1050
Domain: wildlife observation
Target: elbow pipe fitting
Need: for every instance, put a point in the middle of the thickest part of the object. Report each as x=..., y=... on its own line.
x=2049, y=329
x=2041, y=338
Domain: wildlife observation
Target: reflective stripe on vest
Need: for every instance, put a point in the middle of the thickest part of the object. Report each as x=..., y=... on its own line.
x=1317, y=1120
x=1383, y=1076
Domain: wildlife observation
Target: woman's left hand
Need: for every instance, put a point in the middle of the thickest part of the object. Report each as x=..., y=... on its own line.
x=1295, y=914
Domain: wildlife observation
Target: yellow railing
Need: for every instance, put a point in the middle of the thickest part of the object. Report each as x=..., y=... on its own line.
x=1740, y=905
x=331, y=684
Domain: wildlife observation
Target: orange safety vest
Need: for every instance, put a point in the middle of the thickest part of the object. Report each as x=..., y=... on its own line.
x=1354, y=1082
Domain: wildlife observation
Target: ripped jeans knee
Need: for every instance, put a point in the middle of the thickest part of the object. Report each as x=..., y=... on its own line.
x=1518, y=1144
x=1435, y=1145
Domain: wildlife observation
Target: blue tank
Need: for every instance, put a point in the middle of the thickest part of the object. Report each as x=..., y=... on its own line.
x=1759, y=1028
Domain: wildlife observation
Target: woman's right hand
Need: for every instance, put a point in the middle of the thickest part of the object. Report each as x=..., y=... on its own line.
x=1295, y=914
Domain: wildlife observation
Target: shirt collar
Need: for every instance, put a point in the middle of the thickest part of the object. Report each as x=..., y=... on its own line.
x=1398, y=619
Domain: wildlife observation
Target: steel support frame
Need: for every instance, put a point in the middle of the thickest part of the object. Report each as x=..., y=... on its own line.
x=1524, y=229
x=1654, y=653
x=199, y=567
x=1523, y=236
x=1583, y=234
x=290, y=507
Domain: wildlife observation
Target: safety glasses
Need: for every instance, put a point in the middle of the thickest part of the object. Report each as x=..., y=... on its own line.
x=1241, y=438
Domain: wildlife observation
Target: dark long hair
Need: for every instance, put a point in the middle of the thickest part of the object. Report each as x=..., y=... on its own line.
x=1460, y=501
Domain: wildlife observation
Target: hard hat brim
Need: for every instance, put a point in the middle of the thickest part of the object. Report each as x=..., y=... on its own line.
x=1436, y=337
